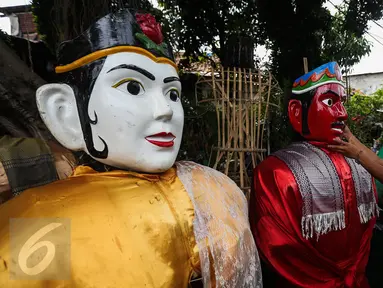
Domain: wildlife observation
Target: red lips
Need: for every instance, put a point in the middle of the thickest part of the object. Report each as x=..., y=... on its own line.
x=162, y=139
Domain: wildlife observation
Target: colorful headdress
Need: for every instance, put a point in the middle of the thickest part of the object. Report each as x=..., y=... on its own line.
x=325, y=74
x=123, y=31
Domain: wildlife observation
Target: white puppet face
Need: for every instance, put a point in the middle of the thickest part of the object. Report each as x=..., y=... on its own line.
x=135, y=110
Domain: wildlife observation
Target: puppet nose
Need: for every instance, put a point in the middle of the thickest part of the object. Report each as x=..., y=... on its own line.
x=341, y=111
x=161, y=108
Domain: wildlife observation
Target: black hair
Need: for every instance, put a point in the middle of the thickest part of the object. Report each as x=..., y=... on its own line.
x=305, y=99
x=82, y=81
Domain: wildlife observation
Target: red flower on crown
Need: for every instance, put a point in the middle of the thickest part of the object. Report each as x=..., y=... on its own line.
x=150, y=27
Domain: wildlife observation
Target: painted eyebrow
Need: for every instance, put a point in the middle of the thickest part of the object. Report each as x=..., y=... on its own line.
x=332, y=92
x=135, y=68
x=171, y=79
x=341, y=97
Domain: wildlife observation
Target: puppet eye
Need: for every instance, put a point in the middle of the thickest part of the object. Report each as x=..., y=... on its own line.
x=174, y=95
x=329, y=102
x=133, y=87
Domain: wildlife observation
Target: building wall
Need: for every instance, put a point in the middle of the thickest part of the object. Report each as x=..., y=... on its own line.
x=28, y=29
x=367, y=83
x=26, y=23
x=21, y=22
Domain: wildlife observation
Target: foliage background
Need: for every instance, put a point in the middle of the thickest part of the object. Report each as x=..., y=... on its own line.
x=200, y=129
x=364, y=113
x=219, y=25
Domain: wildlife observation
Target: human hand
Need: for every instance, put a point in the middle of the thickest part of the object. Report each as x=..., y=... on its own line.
x=351, y=148
x=347, y=133
x=350, y=137
x=348, y=149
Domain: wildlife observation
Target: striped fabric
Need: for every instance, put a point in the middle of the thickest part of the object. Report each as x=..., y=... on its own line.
x=28, y=163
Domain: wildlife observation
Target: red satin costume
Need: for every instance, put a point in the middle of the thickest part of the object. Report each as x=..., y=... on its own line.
x=335, y=259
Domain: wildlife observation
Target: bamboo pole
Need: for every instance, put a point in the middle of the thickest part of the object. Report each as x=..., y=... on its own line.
x=240, y=130
x=229, y=130
x=223, y=104
x=228, y=106
x=266, y=109
x=235, y=91
x=235, y=119
x=216, y=104
x=305, y=65
x=224, y=100
x=259, y=107
x=247, y=109
x=220, y=87
x=244, y=150
x=252, y=118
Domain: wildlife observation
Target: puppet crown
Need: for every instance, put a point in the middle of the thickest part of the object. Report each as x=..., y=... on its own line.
x=325, y=74
x=123, y=31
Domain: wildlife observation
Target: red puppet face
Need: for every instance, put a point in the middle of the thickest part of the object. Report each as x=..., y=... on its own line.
x=325, y=115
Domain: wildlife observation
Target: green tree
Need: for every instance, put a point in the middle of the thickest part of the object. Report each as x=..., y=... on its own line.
x=344, y=46
x=217, y=24
x=364, y=113
x=359, y=12
x=61, y=20
x=200, y=128
x=310, y=31
x=292, y=29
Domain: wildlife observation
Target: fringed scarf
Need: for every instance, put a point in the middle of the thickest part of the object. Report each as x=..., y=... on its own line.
x=321, y=190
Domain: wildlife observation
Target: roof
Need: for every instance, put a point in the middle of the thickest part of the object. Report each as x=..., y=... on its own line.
x=16, y=9
x=364, y=74
x=203, y=66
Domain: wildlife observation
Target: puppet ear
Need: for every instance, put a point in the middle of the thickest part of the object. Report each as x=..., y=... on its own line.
x=58, y=109
x=295, y=115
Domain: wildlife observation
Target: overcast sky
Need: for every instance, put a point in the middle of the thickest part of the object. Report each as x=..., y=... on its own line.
x=368, y=64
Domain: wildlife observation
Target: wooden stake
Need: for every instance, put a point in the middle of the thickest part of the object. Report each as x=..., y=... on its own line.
x=249, y=110
x=235, y=116
x=305, y=65
x=230, y=126
x=223, y=111
x=240, y=131
x=252, y=117
x=216, y=104
x=267, y=109
x=259, y=96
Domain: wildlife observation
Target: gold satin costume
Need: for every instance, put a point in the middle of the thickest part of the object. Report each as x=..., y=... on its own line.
x=127, y=229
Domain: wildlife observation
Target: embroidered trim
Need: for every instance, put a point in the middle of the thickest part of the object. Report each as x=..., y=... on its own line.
x=321, y=190
x=367, y=206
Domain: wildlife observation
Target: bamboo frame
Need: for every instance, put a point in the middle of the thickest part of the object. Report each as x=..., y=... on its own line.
x=241, y=98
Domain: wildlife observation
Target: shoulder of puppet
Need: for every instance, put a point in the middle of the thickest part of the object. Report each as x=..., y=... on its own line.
x=43, y=200
x=199, y=170
x=210, y=180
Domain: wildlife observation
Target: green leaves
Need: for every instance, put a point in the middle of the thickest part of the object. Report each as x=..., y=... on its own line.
x=363, y=112
x=209, y=23
x=61, y=20
x=359, y=12
x=149, y=44
x=307, y=29
x=342, y=45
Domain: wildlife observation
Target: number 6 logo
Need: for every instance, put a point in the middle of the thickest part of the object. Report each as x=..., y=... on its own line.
x=31, y=246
